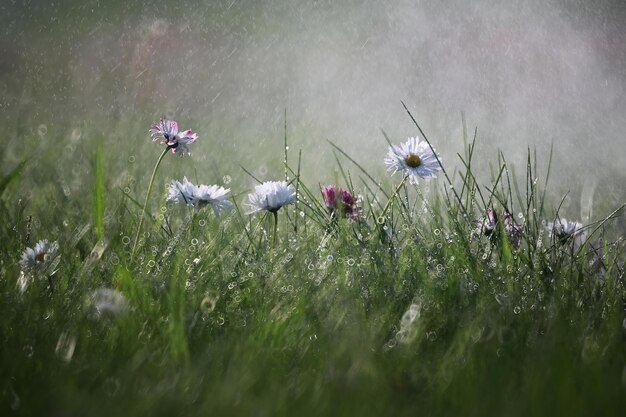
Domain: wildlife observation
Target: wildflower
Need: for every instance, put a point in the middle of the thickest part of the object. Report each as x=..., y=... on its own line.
x=199, y=195
x=213, y=195
x=565, y=229
x=512, y=230
x=38, y=257
x=176, y=141
x=414, y=158
x=338, y=198
x=181, y=192
x=488, y=225
x=107, y=302
x=271, y=196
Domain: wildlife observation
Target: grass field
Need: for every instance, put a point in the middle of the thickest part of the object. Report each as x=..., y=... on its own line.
x=406, y=310
x=416, y=302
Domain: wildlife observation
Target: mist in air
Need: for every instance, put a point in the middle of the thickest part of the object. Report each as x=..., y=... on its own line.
x=526, y=74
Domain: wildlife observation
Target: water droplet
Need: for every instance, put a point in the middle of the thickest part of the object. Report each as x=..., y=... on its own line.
x=517, y=309
x=226, y=179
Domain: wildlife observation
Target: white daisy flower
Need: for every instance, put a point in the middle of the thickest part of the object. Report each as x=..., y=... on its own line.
x=564, y=229
x=213, y=195
x=176, y=141
x=199, y=195
x=271, y=196
x=182, y=192
x=107, y=302
x=39, y=256
x=414, y=158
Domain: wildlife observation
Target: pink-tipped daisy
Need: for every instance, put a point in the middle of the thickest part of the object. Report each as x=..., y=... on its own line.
x=338, y=199
x=487, y=226
x=167, y=130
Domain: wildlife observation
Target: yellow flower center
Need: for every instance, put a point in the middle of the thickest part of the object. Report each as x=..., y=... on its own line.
x=412, y=160
x=40, y=257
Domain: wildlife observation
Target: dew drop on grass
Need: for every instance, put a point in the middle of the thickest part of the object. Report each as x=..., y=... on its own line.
x=202, y=223
x=329, y=258
x=131, y=159
x=517, y=309
x=301, y=214
x=220, y=321
x=226, y=179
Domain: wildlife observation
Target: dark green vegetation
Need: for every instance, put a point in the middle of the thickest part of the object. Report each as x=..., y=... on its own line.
x=413, y=313
x=410, y=314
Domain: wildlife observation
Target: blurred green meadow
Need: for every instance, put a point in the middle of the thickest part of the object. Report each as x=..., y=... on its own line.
x=404, y=311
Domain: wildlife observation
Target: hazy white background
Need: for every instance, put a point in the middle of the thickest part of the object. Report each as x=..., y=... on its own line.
x=526, y=73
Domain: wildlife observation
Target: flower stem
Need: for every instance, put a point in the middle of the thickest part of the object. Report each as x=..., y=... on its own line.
x=393, y=196
x=275, y=228
x=145, y=204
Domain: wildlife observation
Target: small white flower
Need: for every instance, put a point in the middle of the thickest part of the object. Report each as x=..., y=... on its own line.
x=199, y=195
x=271, y=196
x=414, y=158
x=181, y=192
x=565, y=229
x=168, y=130
x=39, y=256
x=107, y=302
x=213, y=195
